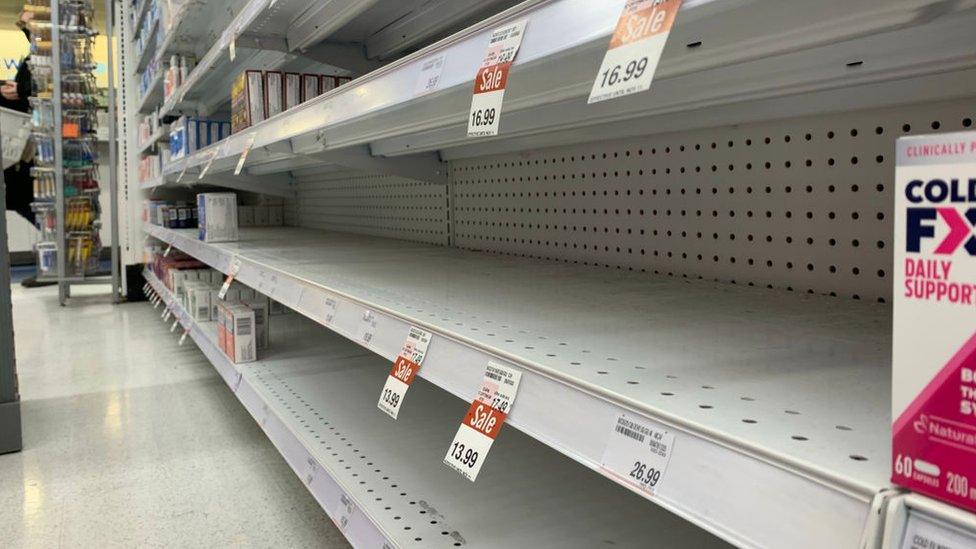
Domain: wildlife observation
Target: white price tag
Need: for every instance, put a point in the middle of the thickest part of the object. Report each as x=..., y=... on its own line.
x=145, y=288
x=343, y=511
x=232, y=48
x=247, y=149
x=176, y=322
x=635, y=49
x=405, y=369
x=492, y=77
x=155, y=301
x=235, y=267
x=186, y=332
x=166, y=314
x=484, y=420
x=182, y=173
x=168, y=250
x=368, y=327
x=638, y=453
x=921, y=532
x=331, y=306
x=430, y=75
x=210, y=161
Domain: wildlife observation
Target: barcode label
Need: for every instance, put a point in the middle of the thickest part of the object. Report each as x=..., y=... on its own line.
x=244, y=326
x=493, y=375
x=638, y=453
x=628, y=433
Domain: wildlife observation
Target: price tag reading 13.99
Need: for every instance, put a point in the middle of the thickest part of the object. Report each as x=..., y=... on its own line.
x=489, y=84
x=405, y=369
x=635, y=49
x=484, y=420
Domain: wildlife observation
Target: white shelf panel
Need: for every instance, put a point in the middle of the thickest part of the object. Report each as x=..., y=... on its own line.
x=839, y=56
x=314, y=395
x=149, y=50
x=153, y=95
x=780, y=396
x=156, y=137
x=141, y=12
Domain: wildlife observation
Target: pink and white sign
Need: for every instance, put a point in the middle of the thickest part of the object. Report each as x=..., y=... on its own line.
x=934, y=347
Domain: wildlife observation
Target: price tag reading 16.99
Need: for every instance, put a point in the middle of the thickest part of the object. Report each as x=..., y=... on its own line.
x=635, y=49
x=492, y=77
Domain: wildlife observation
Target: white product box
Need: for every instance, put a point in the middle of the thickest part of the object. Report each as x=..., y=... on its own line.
x=198, y=301
x=240, y=333
x=260, y=307
x=217, y=217
x=934, y=319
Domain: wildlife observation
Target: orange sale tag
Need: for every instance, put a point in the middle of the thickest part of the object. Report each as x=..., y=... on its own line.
x=404, y=370
x=635, y=49
x=484, y=420
x=492, y=78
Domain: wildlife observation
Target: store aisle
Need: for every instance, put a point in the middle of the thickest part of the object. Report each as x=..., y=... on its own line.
x=130, y=440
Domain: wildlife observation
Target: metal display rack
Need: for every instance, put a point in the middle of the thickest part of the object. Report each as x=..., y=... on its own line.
x=779, y=399
x=66, y=181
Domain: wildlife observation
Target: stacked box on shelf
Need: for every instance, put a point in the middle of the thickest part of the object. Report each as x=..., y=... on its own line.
x=257, y=95
x=188, y=135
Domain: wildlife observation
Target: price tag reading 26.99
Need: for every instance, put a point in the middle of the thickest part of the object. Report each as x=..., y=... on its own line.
x=489, y=84
x=638, y=452
x=635, y=49
x=483, y=421
x=405, y=369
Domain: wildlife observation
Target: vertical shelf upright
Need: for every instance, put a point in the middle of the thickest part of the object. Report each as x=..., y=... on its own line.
x=66, y=177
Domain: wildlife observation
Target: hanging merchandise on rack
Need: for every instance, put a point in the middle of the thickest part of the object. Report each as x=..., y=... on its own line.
x=78, y=195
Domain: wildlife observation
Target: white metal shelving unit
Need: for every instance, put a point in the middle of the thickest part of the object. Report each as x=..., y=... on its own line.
x=804, y=421
x=779, y=401
x=382, y=483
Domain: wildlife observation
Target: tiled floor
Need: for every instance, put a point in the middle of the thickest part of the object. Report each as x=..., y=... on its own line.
x=130, y=440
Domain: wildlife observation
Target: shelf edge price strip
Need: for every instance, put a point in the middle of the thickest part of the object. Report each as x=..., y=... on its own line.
x=368, y=327
x=492, y=77
x=247, y=149
x=235, y=267
x=635, y=49
x=638, y=453
x=484, y=420
x=404, y=370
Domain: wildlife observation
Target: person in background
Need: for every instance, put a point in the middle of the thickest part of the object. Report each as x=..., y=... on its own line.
x=14, y=95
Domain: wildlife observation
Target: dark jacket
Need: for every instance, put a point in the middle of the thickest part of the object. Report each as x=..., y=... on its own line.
x=24, y=85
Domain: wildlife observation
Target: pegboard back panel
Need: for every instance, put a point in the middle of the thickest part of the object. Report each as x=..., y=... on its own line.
x=378, y=205
x=801, y=204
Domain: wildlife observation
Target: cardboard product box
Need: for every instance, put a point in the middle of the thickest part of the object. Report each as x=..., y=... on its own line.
x=260, y=216
x=192, y=135
x=199, y=305
x=178, y=139
x=217, y=278
x=310, y=87
x=274, y=87
x=247, y=100
x=217, y=217
x=327, y=83
x=934, y=327
x=343, y=80
x=292, y=90
x=275, y=308
x=221, y=317
x=245, y=216
x=215, y=302
x=241, y=334
x=262, y=332
x=213, y=127
x=276, y=216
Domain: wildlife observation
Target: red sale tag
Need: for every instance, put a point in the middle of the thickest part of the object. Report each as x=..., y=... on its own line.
x=635, y=49
x=404, y=370
x=491, y=79
x=484, y=420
